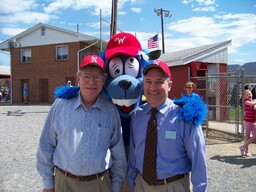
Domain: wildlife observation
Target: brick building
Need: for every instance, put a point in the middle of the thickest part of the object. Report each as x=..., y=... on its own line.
x=46, y=57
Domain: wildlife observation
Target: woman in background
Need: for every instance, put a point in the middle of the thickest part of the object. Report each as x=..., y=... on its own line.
x=249, y=122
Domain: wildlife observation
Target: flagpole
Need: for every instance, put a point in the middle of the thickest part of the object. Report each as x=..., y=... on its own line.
x=157, y=40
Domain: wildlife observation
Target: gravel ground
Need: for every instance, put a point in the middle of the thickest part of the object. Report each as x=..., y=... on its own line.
x=20, y=128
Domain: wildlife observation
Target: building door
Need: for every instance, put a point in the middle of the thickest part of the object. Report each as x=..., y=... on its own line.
x=23, y=82
x=43, y=90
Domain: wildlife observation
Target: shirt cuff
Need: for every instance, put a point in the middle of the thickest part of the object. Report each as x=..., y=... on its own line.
x=201, y=188
x=48, y=183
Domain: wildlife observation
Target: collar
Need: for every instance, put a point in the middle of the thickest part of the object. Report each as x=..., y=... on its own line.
x=162, y=108
x=79, y=102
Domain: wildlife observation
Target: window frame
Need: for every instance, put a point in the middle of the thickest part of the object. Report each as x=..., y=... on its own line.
x=26, y=59
x=61, y=57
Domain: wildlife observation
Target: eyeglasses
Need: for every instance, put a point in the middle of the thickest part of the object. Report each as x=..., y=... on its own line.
x=188, y=87
x=96, y=78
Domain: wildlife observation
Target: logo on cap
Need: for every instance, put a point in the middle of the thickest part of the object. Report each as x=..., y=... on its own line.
x=120, y=40
x=93, y=59
x=156, y=62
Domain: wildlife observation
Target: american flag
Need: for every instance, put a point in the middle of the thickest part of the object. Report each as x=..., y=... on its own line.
x=153, y=42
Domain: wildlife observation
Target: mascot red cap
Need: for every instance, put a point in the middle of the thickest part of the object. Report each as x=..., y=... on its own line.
x=124, y=44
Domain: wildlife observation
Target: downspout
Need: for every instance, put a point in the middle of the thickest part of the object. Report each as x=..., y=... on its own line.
x=78, y=52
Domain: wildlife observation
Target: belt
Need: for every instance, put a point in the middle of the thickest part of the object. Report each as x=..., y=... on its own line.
x=81, y=178
x=169, y=180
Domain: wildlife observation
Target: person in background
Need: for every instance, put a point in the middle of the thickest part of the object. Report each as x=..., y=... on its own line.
x=189, y=88
x=193, y=106
x=81, y=145
x=253, y=138
x=25, y=93
x=179, y=148
x=249, y=121
x=69, y=84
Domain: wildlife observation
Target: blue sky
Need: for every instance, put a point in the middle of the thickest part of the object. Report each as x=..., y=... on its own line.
x=193, y=22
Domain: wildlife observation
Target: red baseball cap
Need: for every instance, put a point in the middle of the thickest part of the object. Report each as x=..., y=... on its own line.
x=161, y=65
x=123, y=43
x=93, y=60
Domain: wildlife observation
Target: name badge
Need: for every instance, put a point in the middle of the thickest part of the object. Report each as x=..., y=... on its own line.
x=170, y=135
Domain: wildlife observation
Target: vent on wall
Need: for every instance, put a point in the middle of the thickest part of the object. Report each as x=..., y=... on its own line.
x=43, y=31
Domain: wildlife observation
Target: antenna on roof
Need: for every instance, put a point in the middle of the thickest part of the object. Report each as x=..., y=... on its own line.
x=77, y=28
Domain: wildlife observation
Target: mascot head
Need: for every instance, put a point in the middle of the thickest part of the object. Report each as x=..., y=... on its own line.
x=124, y=64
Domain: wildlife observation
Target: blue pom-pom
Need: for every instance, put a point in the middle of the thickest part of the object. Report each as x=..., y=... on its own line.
x=66, y=92
x=193, y=109
x=180, y=101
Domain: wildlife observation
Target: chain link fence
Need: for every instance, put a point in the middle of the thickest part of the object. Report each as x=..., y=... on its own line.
x=223, y=94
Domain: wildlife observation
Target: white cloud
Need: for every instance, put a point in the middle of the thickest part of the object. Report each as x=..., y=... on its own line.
x=136, y=10
x=12, y=31
x=93, y=6
x=205, y=9
x=96, y=25
x=238, y=27
x=186, y=2
x=201, y=5
x=206, y=2
x=197, y=26
x=185, y=43
x=26, y=17
x=15, y=6
x=137, y=2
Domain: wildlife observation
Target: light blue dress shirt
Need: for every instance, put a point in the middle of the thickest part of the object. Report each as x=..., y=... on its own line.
x=82, y=141
x=180, y=146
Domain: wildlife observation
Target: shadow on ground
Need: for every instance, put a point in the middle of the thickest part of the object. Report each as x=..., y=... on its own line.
x=245, y=162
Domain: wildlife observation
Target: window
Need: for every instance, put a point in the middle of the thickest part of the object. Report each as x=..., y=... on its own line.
x=61, y=52
x=25, y=56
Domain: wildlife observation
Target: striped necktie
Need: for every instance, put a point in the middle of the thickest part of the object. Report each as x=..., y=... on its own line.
x=149, y=163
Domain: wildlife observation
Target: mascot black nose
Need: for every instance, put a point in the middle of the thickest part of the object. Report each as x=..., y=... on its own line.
x=125, y=84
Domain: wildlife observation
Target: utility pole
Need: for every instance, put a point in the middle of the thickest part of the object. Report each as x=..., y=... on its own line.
x=113, y=18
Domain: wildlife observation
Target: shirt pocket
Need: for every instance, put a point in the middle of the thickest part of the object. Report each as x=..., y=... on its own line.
x=103, y=136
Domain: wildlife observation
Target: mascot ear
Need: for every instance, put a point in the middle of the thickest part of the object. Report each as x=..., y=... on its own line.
x=154, y=54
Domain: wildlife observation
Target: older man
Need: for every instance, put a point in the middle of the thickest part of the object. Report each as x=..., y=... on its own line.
x=81, y=146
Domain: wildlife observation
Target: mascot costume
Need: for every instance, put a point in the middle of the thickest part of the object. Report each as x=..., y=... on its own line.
x=124, y=64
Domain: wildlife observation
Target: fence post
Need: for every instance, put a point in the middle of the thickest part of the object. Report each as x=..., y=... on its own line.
x=207, y=101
